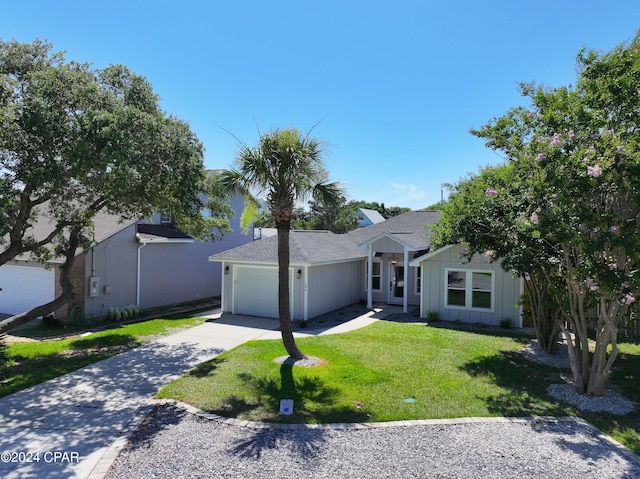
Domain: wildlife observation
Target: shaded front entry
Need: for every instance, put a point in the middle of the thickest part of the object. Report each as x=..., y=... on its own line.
x=396, y=283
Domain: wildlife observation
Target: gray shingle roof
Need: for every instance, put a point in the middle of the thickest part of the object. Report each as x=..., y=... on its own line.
x=313, y=247
x=305, y=247
x=408, y=228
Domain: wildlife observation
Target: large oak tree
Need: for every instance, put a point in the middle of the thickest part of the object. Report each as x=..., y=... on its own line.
x=75, y=141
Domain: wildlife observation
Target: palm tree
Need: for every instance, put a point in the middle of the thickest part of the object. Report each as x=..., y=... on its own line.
x=288, y=167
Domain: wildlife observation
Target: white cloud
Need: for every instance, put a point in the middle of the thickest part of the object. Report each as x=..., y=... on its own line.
x=408, y=195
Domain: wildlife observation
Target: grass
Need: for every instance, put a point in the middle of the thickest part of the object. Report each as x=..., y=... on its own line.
x=33, y=362
x=391, y=371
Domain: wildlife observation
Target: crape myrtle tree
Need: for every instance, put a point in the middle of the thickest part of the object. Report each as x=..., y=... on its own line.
x=75, y=141
x=498, y=226
x=575, y=157
x=288, y=167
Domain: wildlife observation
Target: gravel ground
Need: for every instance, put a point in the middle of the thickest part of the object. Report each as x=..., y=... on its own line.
x=172, y=443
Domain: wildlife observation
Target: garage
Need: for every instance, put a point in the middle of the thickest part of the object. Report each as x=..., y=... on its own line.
x=255, y=291
x=23, y=287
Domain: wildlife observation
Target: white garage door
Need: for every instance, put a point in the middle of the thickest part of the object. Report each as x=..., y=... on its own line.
x=24, y=287
x=256, y=291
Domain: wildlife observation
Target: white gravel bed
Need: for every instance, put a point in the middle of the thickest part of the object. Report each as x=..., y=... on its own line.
x=172, y=444
x=610, y=401
x=560, y=359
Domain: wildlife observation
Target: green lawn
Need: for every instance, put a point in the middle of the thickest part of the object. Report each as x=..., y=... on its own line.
x=34, y=362
x=394, y=371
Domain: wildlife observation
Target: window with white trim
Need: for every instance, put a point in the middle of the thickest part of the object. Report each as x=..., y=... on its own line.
x=376, y=277
x=418, y=279
x=469, y=289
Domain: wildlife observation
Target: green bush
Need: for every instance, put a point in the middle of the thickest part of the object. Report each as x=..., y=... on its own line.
x=4, y=354
x=433, y=316
x=506, y=323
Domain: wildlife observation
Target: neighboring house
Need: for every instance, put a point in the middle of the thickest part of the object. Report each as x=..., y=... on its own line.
x=261, y=233
x=368, y=217
x=329, y=271
x=144, y=263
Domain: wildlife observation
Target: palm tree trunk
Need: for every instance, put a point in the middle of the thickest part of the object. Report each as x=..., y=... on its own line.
x=284, y=308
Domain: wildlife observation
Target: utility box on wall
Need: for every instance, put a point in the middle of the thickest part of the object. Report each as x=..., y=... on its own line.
x=94, y=286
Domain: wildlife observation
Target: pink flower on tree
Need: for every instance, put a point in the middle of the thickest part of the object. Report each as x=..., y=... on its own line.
x=555, y=141
x=489, y=255
x=541, y=157
x=594, y=171
x=614, y=229
x=490, y=192
x=629, y=299
x=592, y=285
x=534, y=218
x=571, y=134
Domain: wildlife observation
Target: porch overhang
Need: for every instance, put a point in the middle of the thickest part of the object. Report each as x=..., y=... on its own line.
x=404, y=247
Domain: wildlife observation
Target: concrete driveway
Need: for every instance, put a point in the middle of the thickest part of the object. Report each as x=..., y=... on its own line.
x=65, y=427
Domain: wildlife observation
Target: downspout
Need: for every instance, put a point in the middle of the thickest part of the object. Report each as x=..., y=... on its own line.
x=140, y=246
x=369, y=276
x=222, y=288
x=405, y=292
x=306, y=293
x=422, y=289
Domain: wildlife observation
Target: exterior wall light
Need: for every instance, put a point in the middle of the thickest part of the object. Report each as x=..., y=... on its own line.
x=299, y=274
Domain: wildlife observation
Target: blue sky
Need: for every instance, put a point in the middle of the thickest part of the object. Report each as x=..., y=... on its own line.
x=395, y=85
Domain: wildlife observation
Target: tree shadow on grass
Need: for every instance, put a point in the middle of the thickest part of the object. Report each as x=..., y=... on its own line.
x=205, y=369
x=313, y=400
x=524, y=384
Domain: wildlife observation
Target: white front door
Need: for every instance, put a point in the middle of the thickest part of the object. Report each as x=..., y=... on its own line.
x=396, y=283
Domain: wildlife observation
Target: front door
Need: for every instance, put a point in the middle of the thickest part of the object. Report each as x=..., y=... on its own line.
x=396, y=283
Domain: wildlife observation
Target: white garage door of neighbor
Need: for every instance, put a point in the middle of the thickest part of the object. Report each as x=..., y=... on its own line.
x=24, y=287
x=256, y=291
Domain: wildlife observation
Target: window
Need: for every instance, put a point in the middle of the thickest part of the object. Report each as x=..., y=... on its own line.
x=418, y=279
x=376, y=277
x=166, y=218
x=468, y=289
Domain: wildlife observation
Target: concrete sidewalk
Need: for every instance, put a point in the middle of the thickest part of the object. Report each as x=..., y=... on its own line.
x=73, y=425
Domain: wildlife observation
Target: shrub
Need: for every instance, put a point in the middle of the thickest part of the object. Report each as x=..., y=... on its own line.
x=506, y=323
x=4, y=355
x=433, y=316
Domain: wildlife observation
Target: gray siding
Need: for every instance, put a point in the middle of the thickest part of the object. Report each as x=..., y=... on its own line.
x=169, y=272
x=114, y=261
x=334, y=286
x=507, y=287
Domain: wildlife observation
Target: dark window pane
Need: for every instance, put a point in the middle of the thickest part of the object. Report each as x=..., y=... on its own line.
x=455, y=297
x=481, y=299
